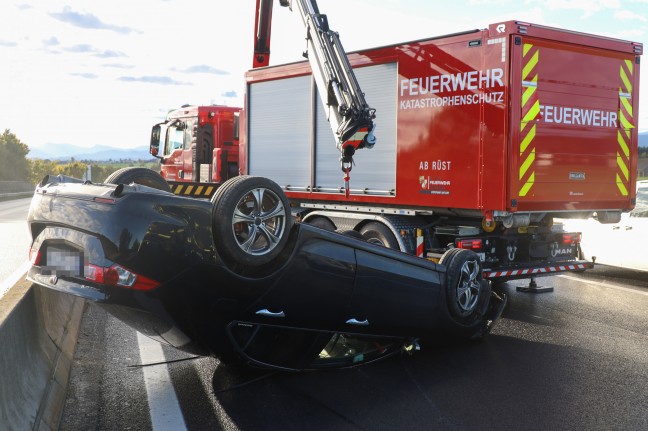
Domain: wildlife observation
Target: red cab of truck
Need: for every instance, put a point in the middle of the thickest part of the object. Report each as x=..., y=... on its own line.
x=197, y=144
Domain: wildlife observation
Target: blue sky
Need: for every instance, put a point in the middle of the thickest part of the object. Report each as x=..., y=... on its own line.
x=103, y=72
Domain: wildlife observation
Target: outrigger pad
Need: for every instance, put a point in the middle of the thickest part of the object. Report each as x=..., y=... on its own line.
x=534, y=288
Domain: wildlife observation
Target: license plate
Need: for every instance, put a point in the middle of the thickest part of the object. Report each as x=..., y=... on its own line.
x=63, y=262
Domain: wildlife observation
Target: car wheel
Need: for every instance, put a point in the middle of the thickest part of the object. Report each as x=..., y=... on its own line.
x=467, y=293
x=143, y=176
x=321, y=222
x=251, y=220
x=378, y=233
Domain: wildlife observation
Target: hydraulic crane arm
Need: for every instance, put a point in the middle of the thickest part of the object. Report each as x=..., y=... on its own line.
x=262, y=31
x=349, y=115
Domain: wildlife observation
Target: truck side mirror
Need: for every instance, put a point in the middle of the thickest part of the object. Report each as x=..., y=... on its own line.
x=155, y=141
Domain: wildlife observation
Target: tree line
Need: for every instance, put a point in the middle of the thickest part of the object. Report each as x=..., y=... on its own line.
x=15, y=166
x=643, y=152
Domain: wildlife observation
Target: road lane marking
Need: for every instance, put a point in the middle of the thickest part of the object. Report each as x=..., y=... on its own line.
x=611, y=286
x=163, y=404
x=13, y=278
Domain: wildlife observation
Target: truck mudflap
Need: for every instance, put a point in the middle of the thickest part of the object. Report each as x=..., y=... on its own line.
x=194, y=190
x=502, y=274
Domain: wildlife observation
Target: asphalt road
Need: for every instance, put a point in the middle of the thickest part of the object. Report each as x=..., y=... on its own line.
x=576, y=358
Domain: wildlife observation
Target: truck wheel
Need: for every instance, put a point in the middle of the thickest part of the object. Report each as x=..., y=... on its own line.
x=378, y=233
x=354, y=234
x=143, y=176
x=466, y=292
x=251, y=220
x=321, y=222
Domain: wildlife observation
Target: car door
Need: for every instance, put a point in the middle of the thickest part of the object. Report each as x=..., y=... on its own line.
x=313, y=290
x=393, y=292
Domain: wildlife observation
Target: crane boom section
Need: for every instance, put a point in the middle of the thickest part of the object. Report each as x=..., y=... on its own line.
x=349, y=115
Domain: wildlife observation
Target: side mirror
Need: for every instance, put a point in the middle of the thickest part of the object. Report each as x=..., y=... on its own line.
x=154, y=148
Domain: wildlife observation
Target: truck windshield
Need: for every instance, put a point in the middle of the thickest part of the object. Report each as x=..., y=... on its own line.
x=175, y=139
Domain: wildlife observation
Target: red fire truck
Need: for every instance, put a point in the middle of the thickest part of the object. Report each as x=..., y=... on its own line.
x=484, y=138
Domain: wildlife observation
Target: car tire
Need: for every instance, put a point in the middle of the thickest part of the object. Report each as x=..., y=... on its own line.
x=143, y=176
x=467, y=293
x=378, y=233
x=251, y=220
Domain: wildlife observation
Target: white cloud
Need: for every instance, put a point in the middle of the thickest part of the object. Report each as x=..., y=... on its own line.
x=629, y=15
x=587, y=7
x=103, y=75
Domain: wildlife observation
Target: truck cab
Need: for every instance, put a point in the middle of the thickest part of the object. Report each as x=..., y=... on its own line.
x=197, y=144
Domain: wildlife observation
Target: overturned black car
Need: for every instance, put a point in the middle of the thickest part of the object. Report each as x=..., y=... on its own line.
x=237, y=278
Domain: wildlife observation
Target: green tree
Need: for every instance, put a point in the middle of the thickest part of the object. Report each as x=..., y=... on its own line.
x=643, y=152
x=13, y=158
x=72, y=169
x=39, y=168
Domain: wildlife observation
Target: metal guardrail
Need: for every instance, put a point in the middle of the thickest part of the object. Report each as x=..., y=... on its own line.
x=15, y=187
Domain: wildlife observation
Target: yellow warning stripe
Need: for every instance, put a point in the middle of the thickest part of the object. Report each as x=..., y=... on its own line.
x=622, y=144
x=626, y=104
x=531, y=63
x=528, y=92
x=202, y=191
x=533, y=112
x=626, y=120
x=527, y=164
x=622, y=165
x=527, y=186
x=530, y=106
x=621, y=185
x=527, y=139
x=624, y=77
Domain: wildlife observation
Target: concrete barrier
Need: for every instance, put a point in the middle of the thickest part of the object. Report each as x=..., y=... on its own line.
x=38, y=333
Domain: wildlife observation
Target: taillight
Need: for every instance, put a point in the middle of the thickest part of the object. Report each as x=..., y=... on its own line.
x=116, y=275
x=474, y=244
x=34, y=256
x=571, y=238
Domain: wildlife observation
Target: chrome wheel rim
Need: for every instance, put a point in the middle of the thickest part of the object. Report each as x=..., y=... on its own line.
x=468, y=288
x=259, y=221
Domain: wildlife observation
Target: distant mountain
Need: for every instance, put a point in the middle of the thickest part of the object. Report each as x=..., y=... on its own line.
x=102, y=153
x=98, y=153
